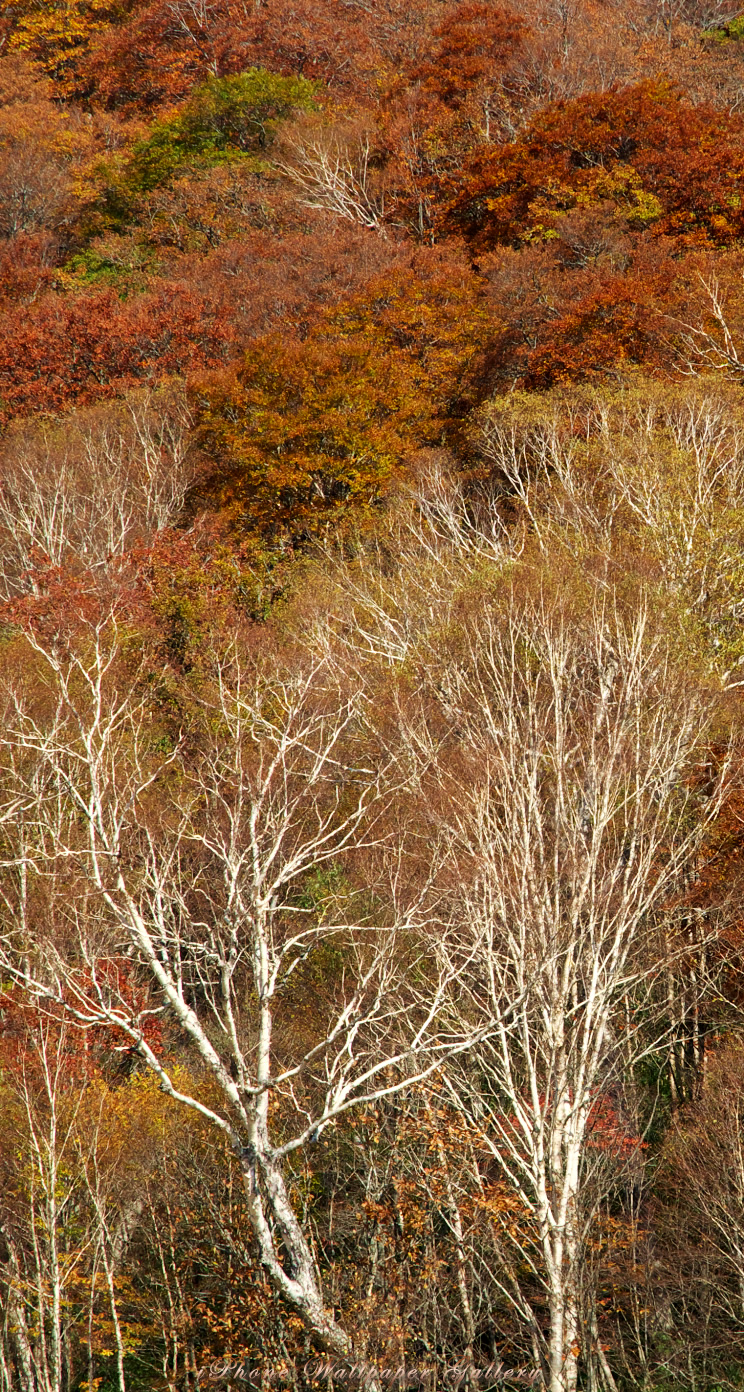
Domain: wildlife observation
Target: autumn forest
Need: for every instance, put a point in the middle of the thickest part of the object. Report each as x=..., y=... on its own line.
x=371, y=695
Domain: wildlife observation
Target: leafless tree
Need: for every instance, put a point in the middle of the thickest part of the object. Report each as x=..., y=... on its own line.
x=85, y=488
x=35, y=190
x=197, y=863
x=565, y=784
x=196, y=21
x=665, y=469
x=44, y=1234
x=335, y=173
x=558, y=751
x=713, y=344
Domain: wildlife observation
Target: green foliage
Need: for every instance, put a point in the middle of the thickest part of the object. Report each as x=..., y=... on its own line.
x=243, y=111
x=98, y=267
x=224, y=118
x=733, y=31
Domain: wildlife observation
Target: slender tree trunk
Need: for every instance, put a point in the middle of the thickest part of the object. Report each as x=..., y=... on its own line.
x=296, y=1278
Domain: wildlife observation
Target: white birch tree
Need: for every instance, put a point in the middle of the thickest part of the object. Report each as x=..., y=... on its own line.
x=193, y=862
x=44, y=1229
x=566, y=753
x=84, y=490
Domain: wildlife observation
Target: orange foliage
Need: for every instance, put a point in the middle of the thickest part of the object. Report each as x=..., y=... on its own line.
x=304, y=427
x=474, y=44
x=669, y=168
x=57, y=34
x=163, y=49
x=93, y=346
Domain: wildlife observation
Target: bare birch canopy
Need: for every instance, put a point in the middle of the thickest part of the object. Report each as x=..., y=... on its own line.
x=572, y=808
x=563, y=761
x=201, y=859
x=477, y=837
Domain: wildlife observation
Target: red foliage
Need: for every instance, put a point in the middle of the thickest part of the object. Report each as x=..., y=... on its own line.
x=617, y=148
x=26, y=267
x=86, y=1049
x=267, y=279
x=555, y=321
x=89, y=347
x=158, y=54
x=607, y=1132
x=475, y=44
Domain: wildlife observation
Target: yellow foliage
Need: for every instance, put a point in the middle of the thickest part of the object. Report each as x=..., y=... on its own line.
x=55, y=34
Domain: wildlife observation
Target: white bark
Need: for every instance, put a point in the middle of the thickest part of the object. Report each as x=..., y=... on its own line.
x=563, y=789
x=43, y=1262
x=85, y=489
x=191, y=865
x=336, y=176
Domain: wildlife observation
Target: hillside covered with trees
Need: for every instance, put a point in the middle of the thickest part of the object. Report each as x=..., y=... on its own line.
x=371, y=676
